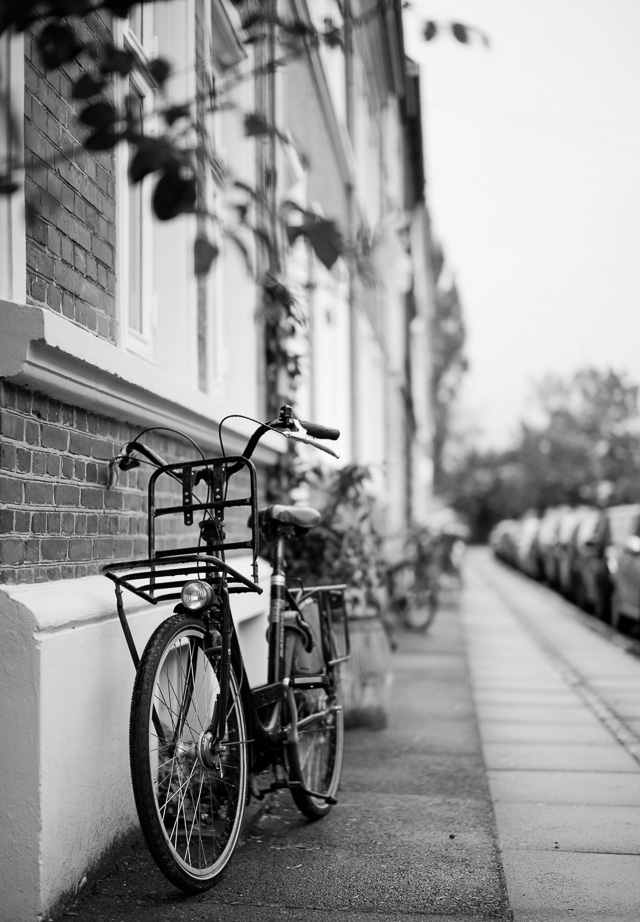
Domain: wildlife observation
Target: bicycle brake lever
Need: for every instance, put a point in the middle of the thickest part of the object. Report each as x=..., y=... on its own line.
x=113, y=472
x=309, y=441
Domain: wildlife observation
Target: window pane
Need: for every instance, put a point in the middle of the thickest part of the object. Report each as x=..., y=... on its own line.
x=5, y=156
x=135, y=242
x=136, y=23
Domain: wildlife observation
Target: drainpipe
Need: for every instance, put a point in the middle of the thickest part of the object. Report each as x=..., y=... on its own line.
x=351, y=233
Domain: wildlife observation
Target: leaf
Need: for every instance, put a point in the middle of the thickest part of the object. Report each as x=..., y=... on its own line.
x=160, y=70
x=430, y=30
x=204, y=253
x=152, y=154
x=116, y=61
x=119, y=8
x=18, y=14
x=101, y=115
x=324, y=237
x=256, y=124
x=87, y=86
x=173, y=113
x=57, y=44
x=333, y=37
x=240, y=244
x=175, y=193
x=460, y=32
x=8, y=185
x=103, y=140
x=70, y=7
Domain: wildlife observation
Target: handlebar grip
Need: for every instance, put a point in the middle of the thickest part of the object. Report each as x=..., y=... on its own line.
x=316, y=431
x=143, y=450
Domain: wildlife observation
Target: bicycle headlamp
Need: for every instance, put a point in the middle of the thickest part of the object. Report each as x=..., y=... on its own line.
x=196, y=595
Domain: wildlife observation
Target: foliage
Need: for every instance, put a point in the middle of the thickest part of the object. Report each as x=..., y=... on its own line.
x=346, y=546
x=585, y=446
x=448, y=336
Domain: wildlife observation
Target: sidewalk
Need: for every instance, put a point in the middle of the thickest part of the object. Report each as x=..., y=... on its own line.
x=413, y=834
x=506, y=785
x=559, y=712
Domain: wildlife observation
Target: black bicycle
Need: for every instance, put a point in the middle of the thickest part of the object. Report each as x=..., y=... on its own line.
x=202, y=741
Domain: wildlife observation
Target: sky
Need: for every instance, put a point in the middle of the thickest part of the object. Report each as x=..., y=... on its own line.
x=532, y=150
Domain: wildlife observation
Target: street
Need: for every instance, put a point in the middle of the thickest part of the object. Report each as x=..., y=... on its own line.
x=505, y=785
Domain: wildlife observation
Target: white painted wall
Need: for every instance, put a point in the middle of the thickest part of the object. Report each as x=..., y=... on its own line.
x=65, y=688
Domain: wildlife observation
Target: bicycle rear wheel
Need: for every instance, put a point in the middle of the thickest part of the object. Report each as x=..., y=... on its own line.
x=421, y=608
x=190, y=801
x=315, y=760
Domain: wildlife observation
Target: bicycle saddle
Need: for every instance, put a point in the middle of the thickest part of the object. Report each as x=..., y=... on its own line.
x=300, y=516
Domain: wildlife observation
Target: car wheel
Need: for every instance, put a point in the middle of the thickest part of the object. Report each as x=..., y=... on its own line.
x=579, y=593
x=602, y=607
x=616, y=612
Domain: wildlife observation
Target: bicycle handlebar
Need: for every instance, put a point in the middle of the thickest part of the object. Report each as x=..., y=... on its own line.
x=286, y=424
x=316, y=431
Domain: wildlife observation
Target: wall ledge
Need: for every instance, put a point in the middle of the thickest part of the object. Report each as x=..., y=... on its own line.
x=46, y=352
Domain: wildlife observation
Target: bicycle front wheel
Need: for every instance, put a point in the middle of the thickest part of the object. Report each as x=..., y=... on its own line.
x=315, y=760
x=190, y=798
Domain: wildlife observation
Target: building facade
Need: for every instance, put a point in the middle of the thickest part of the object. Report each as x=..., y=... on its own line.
x=107, y=329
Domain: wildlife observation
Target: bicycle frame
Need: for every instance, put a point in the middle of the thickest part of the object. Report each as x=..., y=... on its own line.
x=162, y=574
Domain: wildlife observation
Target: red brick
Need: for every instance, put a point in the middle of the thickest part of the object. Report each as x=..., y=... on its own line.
x=53, y=523
x=7, y=520
x=80, y=444
x=39, y=463
x=91, y=498
x=10, y=490
x=54, y=465
x=23, y=460
x=67, y=495
x=8, y=457
x=103, y=547
x=32, y=432
x=38, y=493
x=55, y=437
x=80, y=549
x=39, y=523
x=12, y=551
x=12, y=426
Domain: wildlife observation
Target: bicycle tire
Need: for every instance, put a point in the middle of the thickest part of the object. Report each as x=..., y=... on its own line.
x=315, y=760
x=190, y=813
x=421, y=609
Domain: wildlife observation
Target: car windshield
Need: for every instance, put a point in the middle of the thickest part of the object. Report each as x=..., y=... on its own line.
x=587, y=527
x=621, y=524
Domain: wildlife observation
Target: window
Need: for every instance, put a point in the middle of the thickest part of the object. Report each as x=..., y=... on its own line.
x=135, y=256
x=12, y=232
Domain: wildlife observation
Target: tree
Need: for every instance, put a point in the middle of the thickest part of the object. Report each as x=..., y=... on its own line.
x=448, y=363
x=585, y=448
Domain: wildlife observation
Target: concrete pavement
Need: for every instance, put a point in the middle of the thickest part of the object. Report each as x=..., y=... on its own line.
x=558, y=704
x=505, y=785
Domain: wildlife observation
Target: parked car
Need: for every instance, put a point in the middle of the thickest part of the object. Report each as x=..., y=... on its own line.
x=526, y=557
x=503, y=540
x=623, y=558
x=574, y=523
x=546, y=542
x=600, y=554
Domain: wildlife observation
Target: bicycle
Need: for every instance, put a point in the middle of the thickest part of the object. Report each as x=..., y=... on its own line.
x=414, y=584
x=201, y=739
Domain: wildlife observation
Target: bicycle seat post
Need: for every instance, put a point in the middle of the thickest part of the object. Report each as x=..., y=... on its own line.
x=276, y=607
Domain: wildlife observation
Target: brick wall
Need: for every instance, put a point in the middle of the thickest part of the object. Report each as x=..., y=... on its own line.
x=70, y=197
x=57, y=518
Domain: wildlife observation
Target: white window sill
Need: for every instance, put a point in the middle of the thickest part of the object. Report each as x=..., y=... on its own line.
x=47, y=353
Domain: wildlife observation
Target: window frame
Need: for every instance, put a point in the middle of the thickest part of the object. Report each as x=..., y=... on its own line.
x=139, y=341
x=13, y=261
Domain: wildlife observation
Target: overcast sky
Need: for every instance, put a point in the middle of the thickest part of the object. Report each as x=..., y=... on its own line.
x=533, y=172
